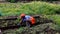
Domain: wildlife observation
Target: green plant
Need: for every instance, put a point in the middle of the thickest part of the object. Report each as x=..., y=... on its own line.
x=29, y=8
x=56, y=20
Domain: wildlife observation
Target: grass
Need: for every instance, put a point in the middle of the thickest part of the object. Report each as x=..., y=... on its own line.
x=56, y=19
x=28, y=8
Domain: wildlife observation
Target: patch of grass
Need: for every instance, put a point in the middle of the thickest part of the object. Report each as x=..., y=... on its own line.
x=29, y=8
x=56, y=19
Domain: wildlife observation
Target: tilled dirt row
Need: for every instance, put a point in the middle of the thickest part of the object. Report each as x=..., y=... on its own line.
x=48, y=28
x=44, y=26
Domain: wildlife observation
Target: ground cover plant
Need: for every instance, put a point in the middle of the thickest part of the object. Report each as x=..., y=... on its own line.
x=29, y=8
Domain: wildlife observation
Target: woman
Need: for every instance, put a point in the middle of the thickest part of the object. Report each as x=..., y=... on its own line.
x=28, y=20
